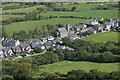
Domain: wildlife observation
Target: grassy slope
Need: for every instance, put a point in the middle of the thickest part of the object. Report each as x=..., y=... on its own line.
x=24, y=10
x=89, y=13
x=103, y=37
x=82, y=6
x=30, y=25
x=65, y=66
x=5, y=17
x=11, y=4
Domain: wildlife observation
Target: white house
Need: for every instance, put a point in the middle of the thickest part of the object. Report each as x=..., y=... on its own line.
x=107, y=26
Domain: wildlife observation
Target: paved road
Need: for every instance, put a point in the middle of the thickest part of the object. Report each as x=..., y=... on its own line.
x=30, y=55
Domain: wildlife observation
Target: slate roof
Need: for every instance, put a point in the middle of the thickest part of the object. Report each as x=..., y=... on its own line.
x=107, y=23
x=56, y=41
x=24, y=45
x=16, y=48
x=92, y=30
x=6, y=49
x=79, y=26
x=8, y=43
x=36, y=45
x=99, y=19
x=49, y=43
x=62, y=30
x=89, y=22
x=99, y=26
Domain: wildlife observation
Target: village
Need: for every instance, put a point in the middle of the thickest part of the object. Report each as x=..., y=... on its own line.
x=12, y=49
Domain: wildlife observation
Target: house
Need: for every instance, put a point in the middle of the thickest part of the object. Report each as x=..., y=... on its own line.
x=73, y=36
x=100, y=19
x=44, y=40
x=49, y=44
x=16, y=49
x=33, y=46
x=92, y=22
x=62, y=32
x=80, y=27
x=25, y=47
x=60, y=47
x=10, y=43
x=107, y=26
x=36, y=41
x=56, y=41
x=2, y=38
x=93, y=31
x=50, y=38
x=14, y=42
x=114, y=23
x=1, y=54
x=99, y=28
x=7, y=51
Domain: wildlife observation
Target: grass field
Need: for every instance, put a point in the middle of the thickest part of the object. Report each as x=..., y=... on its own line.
x=65, y=66
x=91, y=13
x=11, y=4
x=5, y=17
x=104, y=37
x=81, y=6
x=24, y=10
x=30, y=25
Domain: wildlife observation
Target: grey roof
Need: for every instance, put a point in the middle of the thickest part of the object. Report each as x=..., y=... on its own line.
x=113, y=21
x=45, y=38
x=99, y=26
x=24, y=45
x=89, y=22
x=56, y=41
x=107, y=23
x=62, y=30
x=6, y=49
x=36, y=45
x=92, y=30
x=8, y=43
x=16, y=48
x=99, y=19
x=79, y=26
x=49, y=43
x=35, y=41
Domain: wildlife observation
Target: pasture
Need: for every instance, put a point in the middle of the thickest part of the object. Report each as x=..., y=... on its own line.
x=5, y=17
x=30, y=25
x=23, y=10
x=103, y=37
x=11, y=4
x=89, y=13
x=65, y=66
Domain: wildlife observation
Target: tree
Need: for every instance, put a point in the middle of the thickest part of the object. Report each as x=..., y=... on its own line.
x=38, y=50
x=66, y=41
x=7, y=77
x=73, y=8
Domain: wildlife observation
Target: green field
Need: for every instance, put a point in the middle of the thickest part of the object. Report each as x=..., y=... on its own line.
x=81, y=6
x=11, y=4
x=91, y=13
x=30, y=25
x=65, y=66
x=23, y=10
x=5, y=17
x=103, y=37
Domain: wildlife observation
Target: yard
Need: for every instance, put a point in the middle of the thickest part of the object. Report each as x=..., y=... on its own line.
x=104, y=37
x=65, y=66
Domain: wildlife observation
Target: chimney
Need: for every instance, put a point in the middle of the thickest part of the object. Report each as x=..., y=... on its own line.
x=68, y=27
